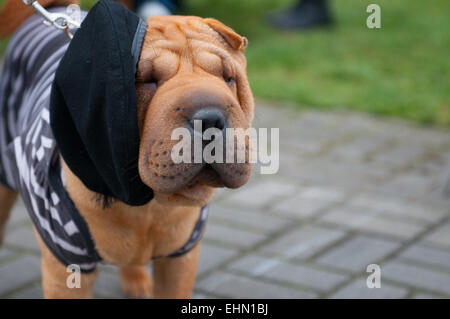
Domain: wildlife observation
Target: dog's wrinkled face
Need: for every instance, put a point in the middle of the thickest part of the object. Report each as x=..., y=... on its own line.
x=190, y=69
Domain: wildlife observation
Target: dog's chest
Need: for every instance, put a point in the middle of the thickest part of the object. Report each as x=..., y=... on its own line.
x=134, y=236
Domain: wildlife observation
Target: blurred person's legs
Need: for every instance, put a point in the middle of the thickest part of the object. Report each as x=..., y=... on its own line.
x=305, y=14
x=148, y=8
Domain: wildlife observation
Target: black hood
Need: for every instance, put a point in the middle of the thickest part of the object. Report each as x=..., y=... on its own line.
x=93, y=111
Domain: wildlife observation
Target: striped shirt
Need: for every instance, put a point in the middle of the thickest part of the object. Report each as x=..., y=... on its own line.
x=29, y=156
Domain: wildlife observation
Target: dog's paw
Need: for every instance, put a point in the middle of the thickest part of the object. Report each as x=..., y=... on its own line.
x=136, y=282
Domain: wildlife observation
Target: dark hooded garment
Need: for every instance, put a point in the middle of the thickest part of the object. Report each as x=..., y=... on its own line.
x=93, y=110
x=83, y=109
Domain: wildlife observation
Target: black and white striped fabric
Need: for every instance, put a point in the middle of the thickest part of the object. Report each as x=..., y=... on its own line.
x=29, y=156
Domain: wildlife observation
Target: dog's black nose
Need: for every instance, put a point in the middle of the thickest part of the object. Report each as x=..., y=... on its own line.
x=211, y=118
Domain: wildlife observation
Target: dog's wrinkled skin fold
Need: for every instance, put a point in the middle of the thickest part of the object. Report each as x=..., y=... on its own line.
x=186, y=64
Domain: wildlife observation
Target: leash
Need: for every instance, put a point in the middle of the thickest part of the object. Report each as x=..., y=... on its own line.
x=60, y=21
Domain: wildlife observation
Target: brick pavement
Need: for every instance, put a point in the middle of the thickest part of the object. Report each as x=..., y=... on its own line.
x=352, y=190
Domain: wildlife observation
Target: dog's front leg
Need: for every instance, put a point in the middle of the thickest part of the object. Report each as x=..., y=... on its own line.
x=136, y=281
x=175, y=277
x=7, y=200
x=55, y=278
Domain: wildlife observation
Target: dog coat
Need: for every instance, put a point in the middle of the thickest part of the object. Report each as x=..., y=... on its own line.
x=29, y=152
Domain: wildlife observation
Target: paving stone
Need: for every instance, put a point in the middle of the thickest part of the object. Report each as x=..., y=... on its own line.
x=222, y=192
x=399, y=207
x=303, y=146
x=273, y=268
x=211, y=256
x=305, y=140
x=440, y=193
x=342, y=165
x=309, y=201
x=316, y=118
x=231, y=285
x=107, y=285
x=358, y=289
x=323, y=193
x=410, y=185
x=33, y=292
x=427, y=255
x=300, y=208
x=268, y=116
x=360, y=123
x=401, y=155
x=440, y=236
x=416, y=276
x=5, y=253
x=303, y=243
x=247, y=218
x=334, y=126
x=430, y=139
x=19, y=272
x=103, y=266
x=372, y=221
x=341, y=174
x=359, y=148
x=423, y=295
x=198, y=295
x=23, y=238
x=290, y=161
x=435, y=169
x=357, y=253
x=233, y=236
x=19, y=215
x=262, y=194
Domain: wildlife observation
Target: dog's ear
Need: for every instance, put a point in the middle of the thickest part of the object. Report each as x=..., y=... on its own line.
x=236, y=41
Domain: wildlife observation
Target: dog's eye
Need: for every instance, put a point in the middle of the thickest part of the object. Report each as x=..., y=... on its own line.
x=152, y=86
x=229, y=80
x=152, y=81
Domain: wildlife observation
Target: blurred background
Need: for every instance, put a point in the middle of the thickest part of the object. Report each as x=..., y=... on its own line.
x=399, y=70
x=364, y=119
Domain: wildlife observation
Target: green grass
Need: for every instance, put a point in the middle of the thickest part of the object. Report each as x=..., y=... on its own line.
x=401, y=70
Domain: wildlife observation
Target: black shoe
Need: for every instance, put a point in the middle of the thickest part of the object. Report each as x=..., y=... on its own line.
x=304, y=15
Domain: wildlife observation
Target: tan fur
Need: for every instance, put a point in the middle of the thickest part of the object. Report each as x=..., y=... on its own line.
x=188, y=60
x=157, y=230
x=136, y=282
x=54, y=277
x=7, y=200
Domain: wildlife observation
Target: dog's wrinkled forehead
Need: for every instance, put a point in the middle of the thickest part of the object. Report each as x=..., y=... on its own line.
x=179, y=34
x=177, y=45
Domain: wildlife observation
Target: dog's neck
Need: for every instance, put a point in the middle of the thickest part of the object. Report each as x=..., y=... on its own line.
x=88, y=199
x=143, y=228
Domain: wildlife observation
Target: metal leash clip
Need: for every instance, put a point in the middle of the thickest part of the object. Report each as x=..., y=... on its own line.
x=60, y=21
